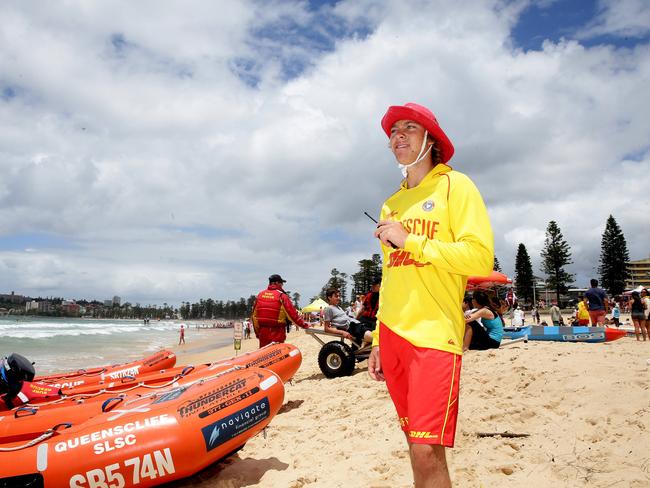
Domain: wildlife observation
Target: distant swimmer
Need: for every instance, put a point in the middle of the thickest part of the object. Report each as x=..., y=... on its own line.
x=181, y=339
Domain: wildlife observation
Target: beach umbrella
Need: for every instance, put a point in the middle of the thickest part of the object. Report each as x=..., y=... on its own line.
x=637, y=289
x=315, y=306
x=495, y=278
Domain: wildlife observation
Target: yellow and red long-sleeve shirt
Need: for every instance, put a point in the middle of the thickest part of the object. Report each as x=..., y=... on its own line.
x=450, y=238
x=272, y=309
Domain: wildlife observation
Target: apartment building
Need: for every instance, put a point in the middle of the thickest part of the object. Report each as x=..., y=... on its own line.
x=639, y=273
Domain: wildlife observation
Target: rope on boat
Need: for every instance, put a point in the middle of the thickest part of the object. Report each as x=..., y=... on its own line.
x=45, y=435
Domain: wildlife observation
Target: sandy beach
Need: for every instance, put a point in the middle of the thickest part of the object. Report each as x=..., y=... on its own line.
x=584, y=407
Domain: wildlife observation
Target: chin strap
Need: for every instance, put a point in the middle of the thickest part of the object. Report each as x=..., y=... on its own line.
x=421, y=155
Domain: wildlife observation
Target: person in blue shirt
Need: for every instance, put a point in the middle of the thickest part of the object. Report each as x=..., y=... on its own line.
x=616, y=315
x=488, y=333
x=598, y=304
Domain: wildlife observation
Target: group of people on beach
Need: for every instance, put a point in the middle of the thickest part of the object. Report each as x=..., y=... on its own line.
x=594, y=306
x=434, y=232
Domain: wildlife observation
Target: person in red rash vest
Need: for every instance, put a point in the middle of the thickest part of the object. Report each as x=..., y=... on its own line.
x=272, y=309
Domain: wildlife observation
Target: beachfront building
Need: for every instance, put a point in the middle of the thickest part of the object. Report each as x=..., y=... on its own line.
x=116, y=301
x=574, y=295
x=12, y=298
x=70, y=308
x=639, y=273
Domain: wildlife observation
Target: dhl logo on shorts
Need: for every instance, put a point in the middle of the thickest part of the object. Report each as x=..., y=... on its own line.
x=422, y=434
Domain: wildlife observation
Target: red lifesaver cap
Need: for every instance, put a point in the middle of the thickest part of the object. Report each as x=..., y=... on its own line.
x=424, y=117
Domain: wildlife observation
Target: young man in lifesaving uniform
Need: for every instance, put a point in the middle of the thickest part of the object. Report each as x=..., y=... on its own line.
x=434, y=233
x=272, y=309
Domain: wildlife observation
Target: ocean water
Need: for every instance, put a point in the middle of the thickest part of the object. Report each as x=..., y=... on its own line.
x=64, y=344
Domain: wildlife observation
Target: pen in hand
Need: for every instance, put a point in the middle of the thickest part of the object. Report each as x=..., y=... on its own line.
x=370, y=217
x=375, y=221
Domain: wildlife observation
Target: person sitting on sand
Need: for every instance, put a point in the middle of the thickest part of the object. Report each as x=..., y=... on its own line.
x=487, y=334
x=336, y=321
x=468, y=306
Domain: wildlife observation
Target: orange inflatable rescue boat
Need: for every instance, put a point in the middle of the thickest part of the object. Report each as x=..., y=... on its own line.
x=282, y=359
x=149, y=441
x=28, y=422
x=160, y=360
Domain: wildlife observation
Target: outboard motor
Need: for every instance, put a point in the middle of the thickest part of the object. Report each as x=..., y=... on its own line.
x=15, y=369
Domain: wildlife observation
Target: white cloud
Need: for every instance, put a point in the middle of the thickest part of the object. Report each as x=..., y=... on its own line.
x=171, y=179
x=620, y=18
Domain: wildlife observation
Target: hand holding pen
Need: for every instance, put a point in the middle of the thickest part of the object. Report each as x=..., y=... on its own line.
x=390, y=232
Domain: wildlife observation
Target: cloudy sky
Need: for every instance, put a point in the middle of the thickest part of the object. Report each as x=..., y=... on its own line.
x=172, y=151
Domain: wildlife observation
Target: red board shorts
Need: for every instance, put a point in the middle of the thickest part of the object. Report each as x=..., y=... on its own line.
x=424, y=385
x=267, y=335
x=597, y=317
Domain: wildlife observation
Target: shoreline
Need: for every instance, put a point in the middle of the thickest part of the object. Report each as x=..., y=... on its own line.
x=203, y=350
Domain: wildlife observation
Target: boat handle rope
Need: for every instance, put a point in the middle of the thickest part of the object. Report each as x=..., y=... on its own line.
x=187, y=369
x=107, y=403
x=45, y=435
x=198, y=381
x=76, y=374
x=25, y=412
x=98, y=373
x=85, y=396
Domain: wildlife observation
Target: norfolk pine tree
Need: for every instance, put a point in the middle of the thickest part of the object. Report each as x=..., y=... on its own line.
x=555, y=255
x=613, y=258
x=497, y=265
x=523, y=274
x=337, y=280
x=369, y=270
